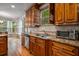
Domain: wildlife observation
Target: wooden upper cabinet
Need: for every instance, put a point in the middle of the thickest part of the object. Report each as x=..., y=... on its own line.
x=59, y=13
x=71, y=13
x=32, y=16
x=66, y=13
x=35, y=14
x=27, y=18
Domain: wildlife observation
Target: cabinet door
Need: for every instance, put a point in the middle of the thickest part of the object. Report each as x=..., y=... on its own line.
x=37, y=50
x=71, y=13
x=42, y=51
x=35, y=14
x=59, y=13
x=31, y=46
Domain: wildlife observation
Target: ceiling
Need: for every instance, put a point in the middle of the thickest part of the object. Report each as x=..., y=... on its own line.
x=18, y=11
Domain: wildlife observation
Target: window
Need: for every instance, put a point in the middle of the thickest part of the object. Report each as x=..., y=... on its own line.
x=3, y=26
x=45, y=16
x=14, y=25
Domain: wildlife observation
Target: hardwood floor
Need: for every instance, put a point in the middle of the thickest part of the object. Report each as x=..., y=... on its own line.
x=23, y=52
x=15, y=48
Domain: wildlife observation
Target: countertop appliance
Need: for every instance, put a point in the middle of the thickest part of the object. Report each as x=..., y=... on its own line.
x=72, y=34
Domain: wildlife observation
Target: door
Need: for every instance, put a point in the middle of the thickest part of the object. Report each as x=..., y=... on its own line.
x=70, y=12
x=59, y=13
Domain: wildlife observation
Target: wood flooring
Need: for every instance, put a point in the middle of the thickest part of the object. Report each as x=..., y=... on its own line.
x=23, y=52
x=16, y=49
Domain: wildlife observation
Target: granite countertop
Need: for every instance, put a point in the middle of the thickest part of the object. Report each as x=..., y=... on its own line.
x=3, y=34
x=45, y=38
x=66, y=41
x=53, y=38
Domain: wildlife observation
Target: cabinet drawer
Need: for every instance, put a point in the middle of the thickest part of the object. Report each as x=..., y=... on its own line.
x=60, y=52
x=64, y=46
x=56, y=53
x=64, y=51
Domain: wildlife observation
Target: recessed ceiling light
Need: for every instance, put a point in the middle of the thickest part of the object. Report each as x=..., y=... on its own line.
x=12, y=6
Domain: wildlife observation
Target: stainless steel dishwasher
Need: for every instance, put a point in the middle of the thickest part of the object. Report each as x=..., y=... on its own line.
x=27, y=41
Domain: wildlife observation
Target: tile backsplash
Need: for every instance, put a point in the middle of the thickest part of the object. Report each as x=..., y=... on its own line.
x=52, y=28
x=67, y=28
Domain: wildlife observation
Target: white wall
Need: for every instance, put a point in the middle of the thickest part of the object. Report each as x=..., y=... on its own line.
x=20, y=25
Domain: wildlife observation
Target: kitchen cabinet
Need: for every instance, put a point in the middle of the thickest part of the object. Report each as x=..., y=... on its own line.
x=59, y=13
x=3, y=45
x=66, y=13
x=32, y=16
x=35, y=14
x=71, y=13
x=49, y=45
x=42, y=47
x=28, y=18
x=60, y=49
x=38, y=46
x=32, y=45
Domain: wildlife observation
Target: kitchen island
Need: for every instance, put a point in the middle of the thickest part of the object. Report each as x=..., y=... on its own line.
x=3, y=44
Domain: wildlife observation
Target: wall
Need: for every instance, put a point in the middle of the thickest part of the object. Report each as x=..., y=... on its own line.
x=20, y=25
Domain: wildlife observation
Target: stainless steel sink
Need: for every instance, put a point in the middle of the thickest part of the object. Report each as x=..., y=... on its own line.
x=45, y=36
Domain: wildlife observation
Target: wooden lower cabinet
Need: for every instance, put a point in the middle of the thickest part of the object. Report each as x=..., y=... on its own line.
x=3, y=45
x=40, y=51
x=41, y=47
x=38, y=46
x=60, y=49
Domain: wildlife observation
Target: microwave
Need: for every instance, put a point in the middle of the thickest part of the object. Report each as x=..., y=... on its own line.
x=73, y=35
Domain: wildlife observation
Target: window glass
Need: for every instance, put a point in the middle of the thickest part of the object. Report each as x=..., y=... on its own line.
x=45, y=16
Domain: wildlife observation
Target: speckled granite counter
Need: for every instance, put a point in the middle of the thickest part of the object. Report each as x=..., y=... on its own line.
x=3, y=34
x=53, y=38
x=70, y=42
